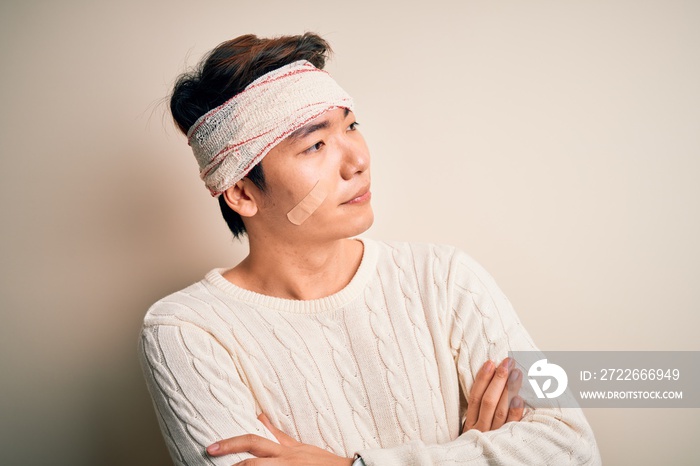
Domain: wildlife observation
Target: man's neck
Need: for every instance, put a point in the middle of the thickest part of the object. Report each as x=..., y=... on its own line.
x=300, y=272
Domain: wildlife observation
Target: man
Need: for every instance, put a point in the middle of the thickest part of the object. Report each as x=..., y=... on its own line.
x=320, y=348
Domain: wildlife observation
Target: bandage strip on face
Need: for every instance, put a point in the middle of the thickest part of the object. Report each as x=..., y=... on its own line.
x=309, y=204
x=232, y=138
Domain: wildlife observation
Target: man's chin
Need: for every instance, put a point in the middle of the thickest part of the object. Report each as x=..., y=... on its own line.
x=363, y=225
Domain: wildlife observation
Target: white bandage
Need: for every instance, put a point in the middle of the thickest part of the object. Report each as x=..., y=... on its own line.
x=231, y=138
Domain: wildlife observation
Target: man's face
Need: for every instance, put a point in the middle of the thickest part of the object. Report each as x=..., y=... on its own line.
x=331, y=150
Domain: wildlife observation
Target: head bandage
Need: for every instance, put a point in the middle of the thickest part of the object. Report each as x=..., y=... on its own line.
x=230, y=139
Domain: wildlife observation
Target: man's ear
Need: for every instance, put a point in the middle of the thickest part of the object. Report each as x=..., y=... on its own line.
x=241, y=198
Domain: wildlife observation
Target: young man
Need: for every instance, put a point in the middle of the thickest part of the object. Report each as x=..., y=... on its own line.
x=320, y=349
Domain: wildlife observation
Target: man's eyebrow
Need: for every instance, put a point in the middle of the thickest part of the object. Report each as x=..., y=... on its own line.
x=308, y=129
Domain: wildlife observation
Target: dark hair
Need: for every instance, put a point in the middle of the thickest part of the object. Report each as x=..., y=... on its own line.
x=226, y=71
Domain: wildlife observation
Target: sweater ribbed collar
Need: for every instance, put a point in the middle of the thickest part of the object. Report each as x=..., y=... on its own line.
x=368, y=265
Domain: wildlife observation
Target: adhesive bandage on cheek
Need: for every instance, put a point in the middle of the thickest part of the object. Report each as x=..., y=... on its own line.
x=307, y=206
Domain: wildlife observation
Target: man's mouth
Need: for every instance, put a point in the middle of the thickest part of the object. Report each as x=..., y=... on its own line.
x=362, y=195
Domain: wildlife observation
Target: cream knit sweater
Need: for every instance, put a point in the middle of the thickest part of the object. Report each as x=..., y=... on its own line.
x=381, y=368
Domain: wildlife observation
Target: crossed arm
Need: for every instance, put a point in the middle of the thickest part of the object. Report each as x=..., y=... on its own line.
x=488, y=409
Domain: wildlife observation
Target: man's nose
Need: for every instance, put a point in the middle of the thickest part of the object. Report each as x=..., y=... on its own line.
x=355, y=157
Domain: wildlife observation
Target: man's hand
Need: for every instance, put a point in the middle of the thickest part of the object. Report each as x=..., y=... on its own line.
x=488, y=402
x=287, y=452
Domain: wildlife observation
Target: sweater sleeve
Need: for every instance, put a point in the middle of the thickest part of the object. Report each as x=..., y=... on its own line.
x=197, y=392
x=482, y=325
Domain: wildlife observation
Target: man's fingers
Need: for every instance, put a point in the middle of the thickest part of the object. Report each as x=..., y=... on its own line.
x=281, y=437
x=492, y=396
x=515, y=413
x=488, y=405
x=481, y=383
x=503, y=410
x=254, y=444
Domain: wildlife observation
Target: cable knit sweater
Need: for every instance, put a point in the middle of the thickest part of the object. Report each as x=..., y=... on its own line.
x=382, y=368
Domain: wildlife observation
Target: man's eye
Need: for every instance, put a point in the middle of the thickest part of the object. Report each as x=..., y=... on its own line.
x=353, y=126
x=315, y=148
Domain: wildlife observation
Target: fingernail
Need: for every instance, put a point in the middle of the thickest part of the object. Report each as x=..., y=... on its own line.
x=514, y=376
x=488, y=367
x=517, y=402
x=503, y=368
x=213, y=448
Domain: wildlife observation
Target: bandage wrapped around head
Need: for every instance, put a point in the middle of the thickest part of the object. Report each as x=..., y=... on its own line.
x=229, y=140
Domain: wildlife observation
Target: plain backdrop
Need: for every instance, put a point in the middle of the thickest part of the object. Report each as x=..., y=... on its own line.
x=557, y=142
